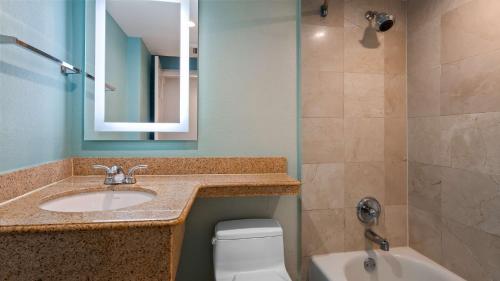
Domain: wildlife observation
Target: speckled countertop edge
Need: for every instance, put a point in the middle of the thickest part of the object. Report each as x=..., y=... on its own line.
x=208, y=185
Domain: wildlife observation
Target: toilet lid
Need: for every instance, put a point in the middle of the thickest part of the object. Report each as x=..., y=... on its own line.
x=261, y=276
x=247, y=228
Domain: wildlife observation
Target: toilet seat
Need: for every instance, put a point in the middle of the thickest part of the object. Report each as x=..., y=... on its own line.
x=265, y=275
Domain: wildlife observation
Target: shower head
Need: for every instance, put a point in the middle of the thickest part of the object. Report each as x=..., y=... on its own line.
x=383, y=21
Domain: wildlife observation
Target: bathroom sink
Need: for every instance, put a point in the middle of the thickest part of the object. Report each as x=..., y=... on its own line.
x=93, y=201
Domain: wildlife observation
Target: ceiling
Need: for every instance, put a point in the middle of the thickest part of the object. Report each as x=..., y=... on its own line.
x=155, y=21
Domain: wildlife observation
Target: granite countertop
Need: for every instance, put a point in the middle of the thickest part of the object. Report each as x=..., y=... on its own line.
x=175, y=196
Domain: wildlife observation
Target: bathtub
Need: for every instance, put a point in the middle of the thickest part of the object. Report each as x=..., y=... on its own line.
x=396, y=265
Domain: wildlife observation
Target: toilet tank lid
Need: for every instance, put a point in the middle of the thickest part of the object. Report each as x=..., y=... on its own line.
x=247, y=228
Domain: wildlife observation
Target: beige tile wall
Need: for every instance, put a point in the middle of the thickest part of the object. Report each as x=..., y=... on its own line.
x=454, y=133
x=354, y=124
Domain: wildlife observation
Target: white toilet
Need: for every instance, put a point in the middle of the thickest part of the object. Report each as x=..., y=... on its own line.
x=249, y=250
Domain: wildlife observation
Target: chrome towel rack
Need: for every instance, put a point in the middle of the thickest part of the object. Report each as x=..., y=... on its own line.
x=108, y=86
x=66, y=68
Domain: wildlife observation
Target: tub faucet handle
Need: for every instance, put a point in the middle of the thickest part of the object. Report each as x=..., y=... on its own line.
x=368, y=210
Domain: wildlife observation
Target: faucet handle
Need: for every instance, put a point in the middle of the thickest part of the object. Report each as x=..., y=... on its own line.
x=109, y=173
x=368, y=210
x=130, y=178
x=132, y=170
x=102, y=167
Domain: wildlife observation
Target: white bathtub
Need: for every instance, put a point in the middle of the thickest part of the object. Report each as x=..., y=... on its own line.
x=396, y=265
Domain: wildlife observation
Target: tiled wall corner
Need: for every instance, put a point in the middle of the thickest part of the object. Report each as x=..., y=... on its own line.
x=454, y=127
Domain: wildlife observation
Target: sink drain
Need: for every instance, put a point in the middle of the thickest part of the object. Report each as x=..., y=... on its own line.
x=370, y=264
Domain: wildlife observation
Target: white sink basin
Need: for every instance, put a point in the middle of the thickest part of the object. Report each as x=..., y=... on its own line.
x=93, y=201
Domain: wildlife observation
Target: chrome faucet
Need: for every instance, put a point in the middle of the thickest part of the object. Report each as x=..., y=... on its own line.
x=368, y=211
x=130, y=177
x=116, y=175
x=374, y=237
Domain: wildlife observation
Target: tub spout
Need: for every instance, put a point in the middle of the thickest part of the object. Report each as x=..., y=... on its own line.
x=372, y=236
x=384, y=246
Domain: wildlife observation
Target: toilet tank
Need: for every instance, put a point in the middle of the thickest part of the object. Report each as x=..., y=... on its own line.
x=247, y=245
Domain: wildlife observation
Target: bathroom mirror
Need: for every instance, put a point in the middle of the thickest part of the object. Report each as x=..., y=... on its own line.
x=144, y=56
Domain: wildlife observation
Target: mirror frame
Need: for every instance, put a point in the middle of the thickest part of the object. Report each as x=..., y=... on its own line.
x=100, y=69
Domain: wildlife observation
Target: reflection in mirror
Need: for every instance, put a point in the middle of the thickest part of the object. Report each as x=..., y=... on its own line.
x=167, y=102
x=143, y=62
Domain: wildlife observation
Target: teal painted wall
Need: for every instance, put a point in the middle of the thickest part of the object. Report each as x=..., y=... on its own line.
x=35, y=99
x=117, y=72
x=140, y=78
x=138, y=84
x=145, y=82
x=128, y=69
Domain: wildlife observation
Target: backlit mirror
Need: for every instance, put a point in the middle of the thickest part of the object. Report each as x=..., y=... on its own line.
x=144, y=56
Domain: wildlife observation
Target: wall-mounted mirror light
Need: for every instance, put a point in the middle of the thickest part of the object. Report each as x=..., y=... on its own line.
x=148, y=51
